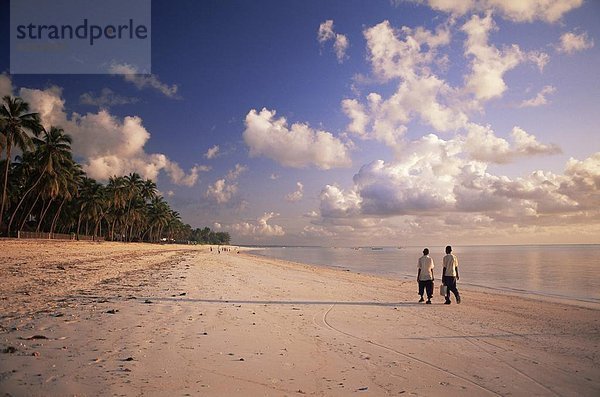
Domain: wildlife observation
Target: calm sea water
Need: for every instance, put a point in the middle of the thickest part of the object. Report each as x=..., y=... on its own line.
x=562, y=271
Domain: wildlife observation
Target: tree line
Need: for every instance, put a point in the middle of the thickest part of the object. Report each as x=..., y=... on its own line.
x=45, y=190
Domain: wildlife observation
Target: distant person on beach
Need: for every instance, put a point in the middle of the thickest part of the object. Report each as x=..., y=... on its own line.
x=450, y=275
x=425, y=276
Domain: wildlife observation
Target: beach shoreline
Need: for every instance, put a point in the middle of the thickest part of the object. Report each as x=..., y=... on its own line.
x=139, y=319
x=582, y=301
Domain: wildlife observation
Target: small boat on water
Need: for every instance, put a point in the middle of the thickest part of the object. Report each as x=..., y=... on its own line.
x=377, y=248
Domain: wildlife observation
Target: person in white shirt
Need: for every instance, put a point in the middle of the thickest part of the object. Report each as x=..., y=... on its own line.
x=450, y=275
x=425, y=276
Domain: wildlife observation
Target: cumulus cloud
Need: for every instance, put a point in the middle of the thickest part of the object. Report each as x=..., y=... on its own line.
x=221, y=191
x=518, y=11
x=571, y=42
x=583, y=181
x=317, y=231
x=235, y=173
x=437, y=179
x=539, y=58
x=335, y=202
x=409, y=55
x=225, y=189
x=403, y=53
x=297, y=194
x=540, y=99
x=297, y=146
x=260, y=227
x=132, y=74
x=212, y=152
x=340, y=41
x=107, y=98
x=488, y=64
x=109, y=145
x=179, y=177
x=483, y=145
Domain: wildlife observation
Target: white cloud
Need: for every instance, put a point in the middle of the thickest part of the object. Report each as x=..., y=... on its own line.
x=297, y=146
x=482, y=144
x=106, y=99
x=335, y=202
x=212, y=152
x=488, y=64
x=514, y=10
x=571, y=42
x=297, y=194
x=539, y=58
x=340, y=46
x=132, y=75
x=109, y=145
x=357, y=113
x=260, y=227
x=235, y=173
x=221, y=191
x=340, y=41
x=540, y=99
x=437, y=180
x=394, y=57
x=317, y=231
x=583, y=182
x=179, y=177
x=225, y=189
x=406, y=54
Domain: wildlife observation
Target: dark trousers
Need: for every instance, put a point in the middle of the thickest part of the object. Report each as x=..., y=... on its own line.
x=426, y=285
x=450, y=282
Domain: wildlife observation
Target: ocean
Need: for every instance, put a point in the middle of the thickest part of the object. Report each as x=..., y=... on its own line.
x=559, y=271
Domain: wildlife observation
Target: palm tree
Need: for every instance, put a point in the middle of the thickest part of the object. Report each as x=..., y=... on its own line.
x=53, y=154
x=69, y=185
x=93, y=204
x=134, y=184
x=15, y=122
x=159, y=216
x=117, y=194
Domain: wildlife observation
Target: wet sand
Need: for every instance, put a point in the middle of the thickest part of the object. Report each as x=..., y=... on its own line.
x=137, y=319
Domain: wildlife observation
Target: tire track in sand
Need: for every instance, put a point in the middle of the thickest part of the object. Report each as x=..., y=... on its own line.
x=431, y=365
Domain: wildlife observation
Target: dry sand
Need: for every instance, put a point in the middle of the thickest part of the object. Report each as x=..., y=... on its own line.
x=134, y=319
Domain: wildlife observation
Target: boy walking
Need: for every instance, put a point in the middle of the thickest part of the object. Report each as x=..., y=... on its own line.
x=450, y=275
x=425, y=276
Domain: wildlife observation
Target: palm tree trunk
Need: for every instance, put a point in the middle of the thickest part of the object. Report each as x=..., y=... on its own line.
x=31, y=209
x=43, y=215
x=112, y=229
x=149, y=232
x=8, y=150
x=57, y=215
x=23, y=199
x=79, y=222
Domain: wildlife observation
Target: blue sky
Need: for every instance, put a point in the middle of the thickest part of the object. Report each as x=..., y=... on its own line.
x=476, y=122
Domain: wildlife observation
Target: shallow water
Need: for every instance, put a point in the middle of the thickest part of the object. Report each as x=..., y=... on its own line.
x=564, y=271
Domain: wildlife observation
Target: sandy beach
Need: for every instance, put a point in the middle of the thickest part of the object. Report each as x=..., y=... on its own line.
x=87, y=319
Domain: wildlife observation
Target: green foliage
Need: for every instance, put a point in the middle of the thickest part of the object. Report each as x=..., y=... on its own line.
x=207, y=236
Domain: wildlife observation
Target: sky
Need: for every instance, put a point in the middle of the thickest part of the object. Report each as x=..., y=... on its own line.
x=351, y=122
